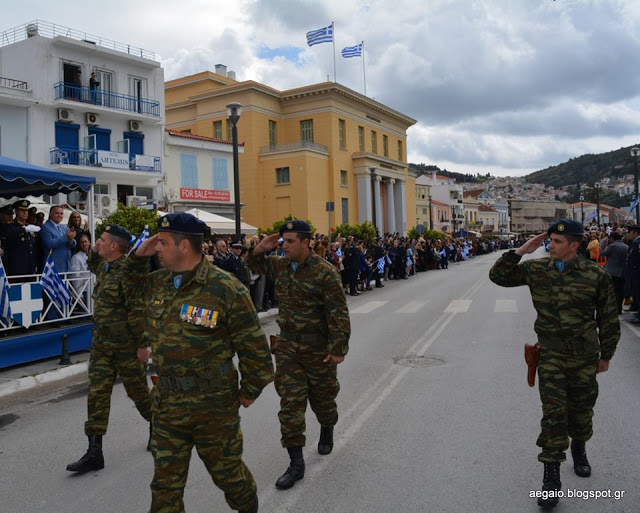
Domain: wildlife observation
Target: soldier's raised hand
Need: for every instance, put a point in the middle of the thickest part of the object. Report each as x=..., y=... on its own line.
x=148, y=247
x=531, y=245
x=267, y=244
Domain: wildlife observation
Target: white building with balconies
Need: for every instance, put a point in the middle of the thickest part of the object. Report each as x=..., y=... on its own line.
x=52, y=115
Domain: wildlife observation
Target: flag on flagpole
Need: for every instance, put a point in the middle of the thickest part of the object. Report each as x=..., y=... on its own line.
x=5, y=305
x=323, y=35
x=634, y=204
x=352, y=51
x=143, y=236
x=53, y=284
x=591, y=216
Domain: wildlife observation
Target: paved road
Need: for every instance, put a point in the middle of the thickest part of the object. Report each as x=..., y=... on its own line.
x=435, y=416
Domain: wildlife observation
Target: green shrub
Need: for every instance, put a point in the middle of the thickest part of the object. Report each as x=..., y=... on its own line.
x=275, y=227
x=132, y=218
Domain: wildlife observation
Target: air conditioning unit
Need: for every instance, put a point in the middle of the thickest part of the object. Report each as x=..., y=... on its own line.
x=134, y=201
x=105, y=204
x=65, y=115
x=91, y=118
x=135, y=126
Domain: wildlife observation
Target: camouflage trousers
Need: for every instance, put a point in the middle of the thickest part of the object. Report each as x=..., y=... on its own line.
x=210, y=423
x=302, y=376
x=568, y=391
x=104, y=366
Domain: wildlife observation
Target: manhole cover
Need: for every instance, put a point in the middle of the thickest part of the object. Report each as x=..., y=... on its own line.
x=418, y=362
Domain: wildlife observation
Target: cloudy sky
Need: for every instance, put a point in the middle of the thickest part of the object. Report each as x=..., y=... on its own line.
x=500, y=86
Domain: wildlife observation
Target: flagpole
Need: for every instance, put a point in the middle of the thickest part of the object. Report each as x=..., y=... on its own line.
x=364, y=76
x=333, y=37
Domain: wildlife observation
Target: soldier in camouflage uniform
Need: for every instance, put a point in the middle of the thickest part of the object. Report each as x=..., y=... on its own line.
x=578, y=330
x=314, y=336
x=197, y=318
x=115, y=344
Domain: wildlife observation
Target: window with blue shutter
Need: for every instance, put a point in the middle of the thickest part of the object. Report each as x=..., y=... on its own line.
x=188, y=171
x=220, y=175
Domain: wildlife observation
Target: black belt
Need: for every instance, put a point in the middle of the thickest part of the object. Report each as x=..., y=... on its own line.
x=305, y=338
x=195, y=383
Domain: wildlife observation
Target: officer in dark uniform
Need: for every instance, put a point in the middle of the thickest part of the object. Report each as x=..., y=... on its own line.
x=237, y=265
x=23, y=256
x=6, y=218
x=632, y=271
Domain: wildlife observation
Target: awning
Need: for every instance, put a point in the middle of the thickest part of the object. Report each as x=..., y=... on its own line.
x=22, y=179
x=219, y=224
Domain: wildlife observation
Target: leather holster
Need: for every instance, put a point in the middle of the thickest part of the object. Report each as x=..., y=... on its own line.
x=531, y=355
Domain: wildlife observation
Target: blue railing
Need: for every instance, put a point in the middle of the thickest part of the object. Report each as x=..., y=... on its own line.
x=82, y=157
x=66, y=91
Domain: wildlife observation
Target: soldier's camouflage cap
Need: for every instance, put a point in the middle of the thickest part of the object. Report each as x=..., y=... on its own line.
x=295, y=226
x=566, y=227
x=182, y=222
x=118, y=231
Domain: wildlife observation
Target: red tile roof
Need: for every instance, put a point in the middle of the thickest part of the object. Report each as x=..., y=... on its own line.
x=187, y=135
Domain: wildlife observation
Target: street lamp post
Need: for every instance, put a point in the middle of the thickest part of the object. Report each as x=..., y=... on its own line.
x=634, y=153
x=597, y=186
x=430, y=214
x=582, y=208
x=233, y=111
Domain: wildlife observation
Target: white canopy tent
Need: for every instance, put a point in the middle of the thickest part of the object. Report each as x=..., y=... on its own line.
x=220, y=224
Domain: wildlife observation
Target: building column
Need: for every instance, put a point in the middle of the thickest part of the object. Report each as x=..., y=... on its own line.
x=364, y=198
x=378, y=200
x=400, y=207
x=391, y=209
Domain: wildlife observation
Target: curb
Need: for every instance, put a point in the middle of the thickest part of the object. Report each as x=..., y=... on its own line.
x=29, y=382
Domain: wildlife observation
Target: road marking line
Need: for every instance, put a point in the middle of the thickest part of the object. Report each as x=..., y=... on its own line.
x=412, y=307
x=368, y=307
x=506, y=305
x=458, y=306
x=423, y=343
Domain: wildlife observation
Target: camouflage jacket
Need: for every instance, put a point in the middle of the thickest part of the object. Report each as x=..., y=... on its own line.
x=576, y=308
x=196, y=321
x=115, y=328
x=311, y=299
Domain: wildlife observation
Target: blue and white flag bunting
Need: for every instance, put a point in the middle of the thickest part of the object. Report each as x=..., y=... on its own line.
x=591, y=216
x=5, y=305
x=53, y=284
x=323, y=35
x=352, y=51
x=143, y=236
x=26, y=302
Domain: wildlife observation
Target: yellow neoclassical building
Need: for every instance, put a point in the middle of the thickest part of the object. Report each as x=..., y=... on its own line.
x=303, y=148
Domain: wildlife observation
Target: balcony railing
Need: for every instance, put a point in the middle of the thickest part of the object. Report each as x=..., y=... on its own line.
x=83, y=157
x=13, y=84
x=66, y=91
x=51, y=30
x=80, y=286
x=297, y=145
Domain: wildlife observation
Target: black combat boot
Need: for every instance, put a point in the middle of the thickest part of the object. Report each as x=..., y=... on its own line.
x=580, y=461
x=325, y=444
x=253, y=508
x=92, y=460
x=150, y=436
x=295, y=472
x=551, y=485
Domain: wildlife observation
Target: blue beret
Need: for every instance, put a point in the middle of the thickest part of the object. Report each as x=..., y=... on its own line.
x=566, y=227
x=181, y=222
x=118, y=231
x=295, y=226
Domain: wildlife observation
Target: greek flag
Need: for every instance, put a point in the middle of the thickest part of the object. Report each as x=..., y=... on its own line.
x=409, y=261
x=5, y=306
x=591, y=216
x=381, y=265
x=634, y=204
x=143, y=236
x=352, y=51
x=53, y=284
x=323, y=35
x=339, y=252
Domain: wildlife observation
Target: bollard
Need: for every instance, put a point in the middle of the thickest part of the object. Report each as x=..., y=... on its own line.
x=64, y=355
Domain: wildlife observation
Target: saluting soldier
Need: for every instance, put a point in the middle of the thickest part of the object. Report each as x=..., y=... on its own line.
x=115, y=343
x=22, y=247
x=314, y=335
x=578, y=331
x=197, y=318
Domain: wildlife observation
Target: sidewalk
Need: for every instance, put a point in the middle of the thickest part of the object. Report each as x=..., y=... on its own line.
x=31, y=375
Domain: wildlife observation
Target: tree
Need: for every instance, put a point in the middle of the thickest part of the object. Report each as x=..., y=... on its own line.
x=275, y=227
x=365, y=231
x=132, y=218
